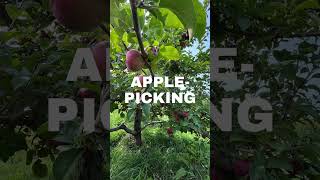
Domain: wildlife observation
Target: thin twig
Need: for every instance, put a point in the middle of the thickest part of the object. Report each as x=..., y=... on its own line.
x=152, y=123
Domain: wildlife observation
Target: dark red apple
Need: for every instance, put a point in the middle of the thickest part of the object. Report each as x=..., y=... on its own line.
x=183, y=44
x=297, y=167
x=170, y=131
x=141, y=80
x=86, y=93
x=99, y=54
x=185, y=114
x=241, y=167
x=185, y=36
x=176, y=116
x=80, y=15
x=134, y=60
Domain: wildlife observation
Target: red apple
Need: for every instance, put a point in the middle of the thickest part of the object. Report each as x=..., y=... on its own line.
x=297, y=167
x=99, y=54
x=141, y=80
x=241, y=167
x=86, y=93
x=176, y=116
x=170, y=131
x=134, y=60
x=185, y=114
x=80, y=15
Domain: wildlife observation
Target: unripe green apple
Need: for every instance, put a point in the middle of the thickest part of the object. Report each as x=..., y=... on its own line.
x=80, y=15
x=100, y=57
x=134, y=60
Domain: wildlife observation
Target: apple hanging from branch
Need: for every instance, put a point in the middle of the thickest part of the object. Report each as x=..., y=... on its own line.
x=100, y=57
x=134, y=60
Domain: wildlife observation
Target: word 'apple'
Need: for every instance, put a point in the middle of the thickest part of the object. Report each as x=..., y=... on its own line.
x=147, y=80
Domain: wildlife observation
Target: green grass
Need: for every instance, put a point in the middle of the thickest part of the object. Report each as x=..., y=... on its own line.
x=16, y=169
x=183, y=156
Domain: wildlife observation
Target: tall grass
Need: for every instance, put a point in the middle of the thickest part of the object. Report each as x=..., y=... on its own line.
x=183, y=156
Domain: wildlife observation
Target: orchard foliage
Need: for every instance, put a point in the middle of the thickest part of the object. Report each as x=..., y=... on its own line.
x=281, y=40
x=171, y=41
x=38, y=40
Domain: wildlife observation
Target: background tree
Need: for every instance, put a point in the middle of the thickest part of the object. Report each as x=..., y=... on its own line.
x=281, y=40
x=38, y=40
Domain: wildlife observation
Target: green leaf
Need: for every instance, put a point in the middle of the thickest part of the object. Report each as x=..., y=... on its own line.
x=244, y=23
x=200, y=28
x=180, y=173
x=39, y=169
x=314, y=87
x=183, y=9
x=283, y=55
x=21, y=79
x=169, y=19
x=65, y=166
x=130, y=114
x=146, y=109
x=169, y=53
x=16, y=13
x=306, y=48
x=29, y=157
x=10, y=142
x=190, y=12
x=43, y=132
x=317, y=75
x=309, y=4
x=5, y=36
x=278, y=163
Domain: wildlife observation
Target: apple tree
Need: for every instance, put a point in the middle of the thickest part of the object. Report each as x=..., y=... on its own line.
x=281, y=40
x=38, y=40
x=158, y=38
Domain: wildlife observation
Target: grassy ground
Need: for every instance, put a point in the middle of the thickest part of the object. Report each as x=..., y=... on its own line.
x=16, y=169
x=183, y=156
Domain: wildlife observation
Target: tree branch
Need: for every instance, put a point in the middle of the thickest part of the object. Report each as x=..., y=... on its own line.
x=105, y=29
x=123, y=127
x=135, y=20
x=152, y=123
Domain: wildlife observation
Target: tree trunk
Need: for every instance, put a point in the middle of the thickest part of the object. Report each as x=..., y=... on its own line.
x=137, y=125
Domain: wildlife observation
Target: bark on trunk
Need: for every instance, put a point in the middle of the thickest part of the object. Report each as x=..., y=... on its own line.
x=137, y=126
